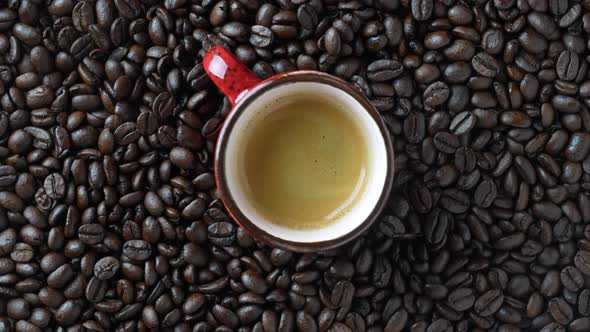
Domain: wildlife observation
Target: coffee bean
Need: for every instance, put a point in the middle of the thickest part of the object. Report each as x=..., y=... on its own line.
x=485, y=194
x=286, y=321
x=55, y=186
x=565, y=104
x=560, y=311
x=254, y=282
x=584, y=302
x=27, y=34
x=580, y=324
x=305, y=321
x=461, y=299
x=137, y=249
x=489, y=303
x=95, y=290
x=7, y=18
x=582, y=261
x=308, y=17
x=283, y=25
x=437, y=227
x=18, y=308
x=392, y=227
x=22, y=253
x=567, y=65
x=436, y=94
x=261, y=36
x=493, y=41
x=11, y=201
x=147, y=123
x=182, y=158
x=91, y=233
x=455, y=201
x=571, y=278
x=422, y=9
x=397, y=321
x=194, y=254
x=106, y=268
x=414, y=127
x=485, y=65
x=7, y=241
x=446, y=142
x=332, y=42
x=126, y=133
x=384, y=70
x=578, y=147
x=68, y=312
x=463, y=123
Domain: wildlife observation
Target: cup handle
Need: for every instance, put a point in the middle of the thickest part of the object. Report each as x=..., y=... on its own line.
x=231, y=76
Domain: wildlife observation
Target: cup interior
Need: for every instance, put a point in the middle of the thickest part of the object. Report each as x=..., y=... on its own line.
x=249, y=116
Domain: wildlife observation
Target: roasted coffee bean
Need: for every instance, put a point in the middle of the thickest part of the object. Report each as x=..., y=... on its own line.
x=265, y=13
x=489, y=303
x=580, y=324
x=332, y=42
x=461, y=299
x=91, y=233
x=414, y=127
x=106, y=268
x=436, y=94
x=7, y=241
x=55, y=186
x=422, y=9
x=391, y=226
x=463, y=123
x=578, y=147
x=584, y=302
x=261, y=36
x=486, y=193
x=11, y=201
x=95, y=290
x=582, y=261
x=8, y=17
x=22, y=253
x=383, y=70
x=455, y=201
x=571, y=278
x=137, y=249
x=284, y=25
x=437, y=227
x=567, y=65
x=560, y=310
x=446, y=142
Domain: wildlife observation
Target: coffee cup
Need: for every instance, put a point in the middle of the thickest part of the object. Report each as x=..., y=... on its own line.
x=329, y=180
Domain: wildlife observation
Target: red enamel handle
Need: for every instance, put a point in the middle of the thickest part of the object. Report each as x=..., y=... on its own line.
x=231, y=76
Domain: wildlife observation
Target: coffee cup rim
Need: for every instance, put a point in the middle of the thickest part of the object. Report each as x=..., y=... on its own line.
x=225, y=192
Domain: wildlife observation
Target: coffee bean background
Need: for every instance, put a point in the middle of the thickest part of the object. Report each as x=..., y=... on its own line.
x=109, y=215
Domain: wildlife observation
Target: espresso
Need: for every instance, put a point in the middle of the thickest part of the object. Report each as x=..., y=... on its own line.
x=305, y=163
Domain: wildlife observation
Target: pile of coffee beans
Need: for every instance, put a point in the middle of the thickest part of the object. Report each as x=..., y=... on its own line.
x=109, y=215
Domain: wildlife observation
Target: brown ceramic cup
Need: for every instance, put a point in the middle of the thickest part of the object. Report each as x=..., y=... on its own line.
x=248, y=95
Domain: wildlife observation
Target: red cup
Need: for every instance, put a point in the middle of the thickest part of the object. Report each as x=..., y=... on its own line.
x=248, y=94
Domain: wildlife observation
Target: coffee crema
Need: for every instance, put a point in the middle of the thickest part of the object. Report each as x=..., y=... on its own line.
x=305, y=163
